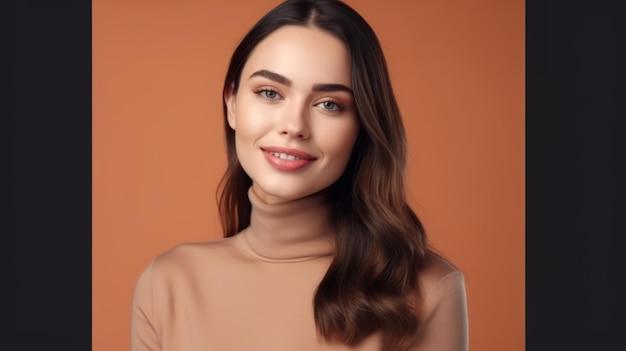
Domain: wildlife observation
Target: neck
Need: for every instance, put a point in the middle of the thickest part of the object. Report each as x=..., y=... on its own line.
x=297, y=230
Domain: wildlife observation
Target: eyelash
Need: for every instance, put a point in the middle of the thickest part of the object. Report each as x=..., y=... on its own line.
x=338, y=106
x=264, y=91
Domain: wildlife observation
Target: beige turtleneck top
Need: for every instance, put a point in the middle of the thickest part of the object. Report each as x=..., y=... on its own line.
x=254, y=291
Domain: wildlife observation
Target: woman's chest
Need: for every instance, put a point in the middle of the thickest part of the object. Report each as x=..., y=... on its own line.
x=258, y=307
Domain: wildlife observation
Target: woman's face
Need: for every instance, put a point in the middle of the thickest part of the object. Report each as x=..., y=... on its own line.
x=294, y=117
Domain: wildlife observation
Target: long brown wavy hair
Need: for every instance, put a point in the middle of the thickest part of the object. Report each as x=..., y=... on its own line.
x=371, y=284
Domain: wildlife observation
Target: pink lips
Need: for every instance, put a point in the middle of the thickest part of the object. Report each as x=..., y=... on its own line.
x=295, y=159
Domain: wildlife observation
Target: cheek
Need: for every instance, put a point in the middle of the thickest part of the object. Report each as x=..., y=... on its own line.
x=251, y=121
x=338, y=139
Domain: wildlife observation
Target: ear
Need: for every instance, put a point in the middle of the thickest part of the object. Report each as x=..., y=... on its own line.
x=229, y=100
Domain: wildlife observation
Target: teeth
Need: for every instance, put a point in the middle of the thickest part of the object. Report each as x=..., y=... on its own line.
x=285, y=156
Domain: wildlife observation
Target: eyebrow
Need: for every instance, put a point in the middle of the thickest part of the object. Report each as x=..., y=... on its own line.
x=279, y=78
x=332, y=87
x=272, y=76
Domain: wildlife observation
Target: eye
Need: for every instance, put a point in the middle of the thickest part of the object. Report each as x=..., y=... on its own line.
x=268, y=94
x=330, y=105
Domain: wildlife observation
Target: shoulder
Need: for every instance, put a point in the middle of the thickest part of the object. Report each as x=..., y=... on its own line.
x=440, y=283
x=443, y=313
x=436, y=271
x=167, y=282
x=191, y=256
x=178, y=272
x=187, y=261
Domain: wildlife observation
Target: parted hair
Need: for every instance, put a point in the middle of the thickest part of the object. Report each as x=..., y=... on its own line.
x=380, y=244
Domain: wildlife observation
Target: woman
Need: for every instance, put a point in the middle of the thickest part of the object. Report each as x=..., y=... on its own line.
x=321, y=250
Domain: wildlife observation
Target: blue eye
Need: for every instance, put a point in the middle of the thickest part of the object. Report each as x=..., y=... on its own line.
x=268, y=94
x=330, y=105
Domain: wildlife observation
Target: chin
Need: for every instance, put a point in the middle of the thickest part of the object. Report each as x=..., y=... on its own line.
x=283, y=191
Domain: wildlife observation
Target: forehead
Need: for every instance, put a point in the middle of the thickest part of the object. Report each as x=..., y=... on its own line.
x=306, y=55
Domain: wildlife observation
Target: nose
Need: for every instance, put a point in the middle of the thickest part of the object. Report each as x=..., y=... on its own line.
x=293, y=121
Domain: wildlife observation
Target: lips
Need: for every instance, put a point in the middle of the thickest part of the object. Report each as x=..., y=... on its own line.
x=286, y=159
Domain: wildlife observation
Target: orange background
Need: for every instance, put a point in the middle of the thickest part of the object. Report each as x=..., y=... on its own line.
x=158, y=149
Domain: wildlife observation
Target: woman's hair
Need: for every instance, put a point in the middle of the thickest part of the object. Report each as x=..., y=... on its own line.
x=371, y=285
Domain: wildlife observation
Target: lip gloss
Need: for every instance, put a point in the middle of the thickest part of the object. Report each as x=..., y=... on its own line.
x=285, y=159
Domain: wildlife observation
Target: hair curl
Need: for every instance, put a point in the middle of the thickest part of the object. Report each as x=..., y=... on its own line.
x=371, y=284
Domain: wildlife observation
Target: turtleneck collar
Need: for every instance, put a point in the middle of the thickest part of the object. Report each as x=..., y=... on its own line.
x=292, y=231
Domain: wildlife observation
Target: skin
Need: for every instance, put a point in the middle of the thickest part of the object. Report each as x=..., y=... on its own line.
x=294, y=97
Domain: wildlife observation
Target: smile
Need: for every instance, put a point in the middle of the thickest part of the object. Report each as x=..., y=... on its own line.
x=288, y=160
x=285, y=156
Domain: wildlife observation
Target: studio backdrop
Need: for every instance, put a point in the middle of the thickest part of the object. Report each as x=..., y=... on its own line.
x=457, y=68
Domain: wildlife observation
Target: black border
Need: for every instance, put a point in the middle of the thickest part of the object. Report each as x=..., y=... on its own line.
x=573, y=175
x=50, y=76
